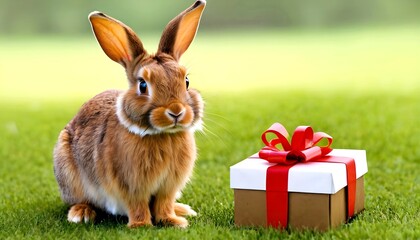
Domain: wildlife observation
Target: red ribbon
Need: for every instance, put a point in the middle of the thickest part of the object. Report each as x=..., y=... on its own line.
x=303, y=148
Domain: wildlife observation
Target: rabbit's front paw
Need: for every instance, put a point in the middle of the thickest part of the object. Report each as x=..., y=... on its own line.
x=81, y=213
x=173, y=220
x=184, y=210
x=136, y=224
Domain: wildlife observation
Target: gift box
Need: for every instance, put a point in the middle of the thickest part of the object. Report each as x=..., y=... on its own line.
x=302, y=186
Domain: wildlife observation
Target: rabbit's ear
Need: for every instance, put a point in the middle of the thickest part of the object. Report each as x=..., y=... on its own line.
x=117, y=40
x=180, y=32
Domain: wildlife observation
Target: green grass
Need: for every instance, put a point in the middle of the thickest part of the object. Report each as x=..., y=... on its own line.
x=361, y=86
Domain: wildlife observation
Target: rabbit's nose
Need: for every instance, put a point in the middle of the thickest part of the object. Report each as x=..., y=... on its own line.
x=175, y=112
x=175, y=116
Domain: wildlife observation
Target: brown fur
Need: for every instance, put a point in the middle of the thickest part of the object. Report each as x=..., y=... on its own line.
x=104, y=159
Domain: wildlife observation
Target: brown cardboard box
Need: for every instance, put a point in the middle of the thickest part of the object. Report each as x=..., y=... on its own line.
x=317, y=191
x=306, y=210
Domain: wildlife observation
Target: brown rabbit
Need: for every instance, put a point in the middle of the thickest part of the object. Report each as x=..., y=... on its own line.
x=127, y=148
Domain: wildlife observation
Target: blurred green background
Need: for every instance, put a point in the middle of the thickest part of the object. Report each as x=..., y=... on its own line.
x=69, y=17
x=47, y=50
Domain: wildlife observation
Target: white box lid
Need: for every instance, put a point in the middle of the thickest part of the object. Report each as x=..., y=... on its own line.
x=311, y=177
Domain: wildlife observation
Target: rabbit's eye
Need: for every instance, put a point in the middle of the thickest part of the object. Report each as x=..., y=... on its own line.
x=187, y=82
x=142, y=86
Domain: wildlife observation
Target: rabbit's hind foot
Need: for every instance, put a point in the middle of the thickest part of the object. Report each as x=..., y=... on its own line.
x=81, y=213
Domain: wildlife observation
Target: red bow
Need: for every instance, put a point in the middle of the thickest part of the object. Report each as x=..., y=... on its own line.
x=302, y=148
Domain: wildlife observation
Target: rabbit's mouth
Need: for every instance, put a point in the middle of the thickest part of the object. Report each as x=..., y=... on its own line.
x=174, y=128
x=177, y=127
